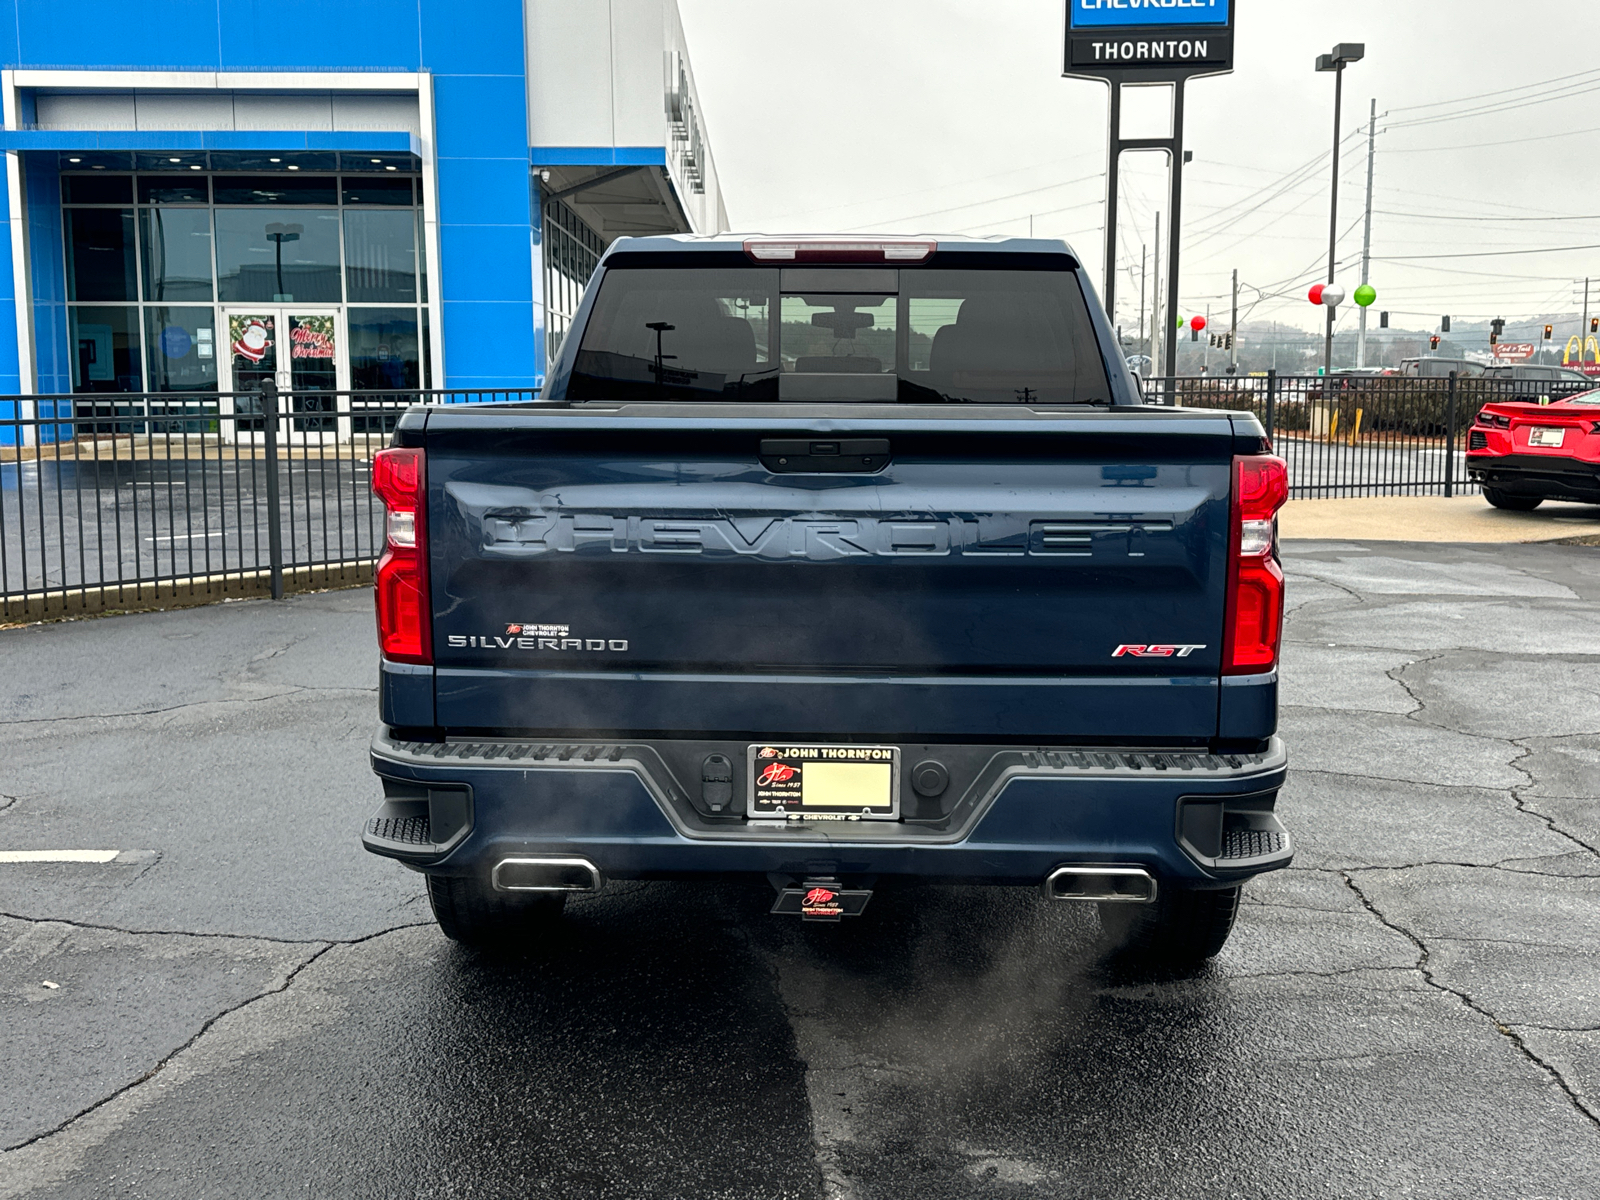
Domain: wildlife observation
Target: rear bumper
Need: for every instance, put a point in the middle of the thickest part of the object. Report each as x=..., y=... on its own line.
x=1537, y=475
x=461, y=808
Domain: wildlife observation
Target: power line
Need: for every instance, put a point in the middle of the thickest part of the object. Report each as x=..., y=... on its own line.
x=1284, y=183
x=943, y=187
x=1495, y=109
x=1503, y=91
x=1391, y=188
x=1023, y=216
x=1453, y=217
x=1050, y=187
x=1543, y=137
x=1488, y=253
x=1482, y=274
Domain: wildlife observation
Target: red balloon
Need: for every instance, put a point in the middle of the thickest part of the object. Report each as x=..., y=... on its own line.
x=1198, y=323
x=1315, y=294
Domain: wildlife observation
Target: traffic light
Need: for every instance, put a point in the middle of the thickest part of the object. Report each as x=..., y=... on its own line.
x=1549, y=332
x=1194, y=335
x=1594, y=324
x=1433, y=342
x=1383, y=320
x=1494, y=339
x=1497, y=326
x=1228, y=340
x=1444, y=324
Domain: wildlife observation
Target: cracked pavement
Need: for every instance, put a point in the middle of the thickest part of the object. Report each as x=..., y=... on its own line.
x=246, y=1004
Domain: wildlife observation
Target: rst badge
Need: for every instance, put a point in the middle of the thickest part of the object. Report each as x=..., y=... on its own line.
x=1154, y=651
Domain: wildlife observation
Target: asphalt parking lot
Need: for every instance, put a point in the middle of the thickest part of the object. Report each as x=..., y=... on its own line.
x=246, y=1004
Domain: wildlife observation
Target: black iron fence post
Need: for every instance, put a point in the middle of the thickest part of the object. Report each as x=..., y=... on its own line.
x=269, y=415
x=1272, y=402
x=1450, y=440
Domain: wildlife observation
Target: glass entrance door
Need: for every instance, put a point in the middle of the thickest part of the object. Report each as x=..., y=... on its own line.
x=302, y=352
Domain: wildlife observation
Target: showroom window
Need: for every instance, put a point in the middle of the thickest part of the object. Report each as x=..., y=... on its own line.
x=163, y=266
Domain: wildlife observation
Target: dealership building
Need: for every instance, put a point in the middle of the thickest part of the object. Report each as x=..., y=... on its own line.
x=360, y=195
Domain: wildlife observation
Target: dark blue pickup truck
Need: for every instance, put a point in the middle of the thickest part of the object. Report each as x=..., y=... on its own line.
x=842, y=562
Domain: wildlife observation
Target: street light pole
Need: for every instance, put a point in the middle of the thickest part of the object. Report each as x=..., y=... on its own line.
x=1343, y=54
x=1233, y=328
x=1366, y=236
x=1333, y=214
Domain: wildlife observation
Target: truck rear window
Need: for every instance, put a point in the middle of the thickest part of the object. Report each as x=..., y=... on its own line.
x=757, y=334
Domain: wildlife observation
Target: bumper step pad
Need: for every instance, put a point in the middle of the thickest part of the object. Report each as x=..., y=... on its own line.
x=1252, y=843
x=408, y=831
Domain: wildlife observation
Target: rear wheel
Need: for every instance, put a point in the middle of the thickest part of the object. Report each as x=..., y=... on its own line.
x=472, y=912
x=1178, y=932
x=1514, y=503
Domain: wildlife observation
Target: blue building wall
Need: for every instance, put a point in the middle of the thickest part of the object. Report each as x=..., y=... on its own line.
x=480, y=106
x=10, y=370
x=472, y=48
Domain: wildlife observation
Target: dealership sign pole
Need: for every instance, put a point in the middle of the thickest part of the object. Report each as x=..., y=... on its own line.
x=1129, y=43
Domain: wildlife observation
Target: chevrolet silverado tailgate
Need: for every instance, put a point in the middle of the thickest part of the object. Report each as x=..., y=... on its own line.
x=903, y=572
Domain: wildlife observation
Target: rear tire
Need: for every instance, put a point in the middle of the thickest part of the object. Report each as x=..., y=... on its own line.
x=1176, y=934
x=472, y=912
x=1511, y=503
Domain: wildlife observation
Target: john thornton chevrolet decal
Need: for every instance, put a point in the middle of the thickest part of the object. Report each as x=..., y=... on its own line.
x=526, y=635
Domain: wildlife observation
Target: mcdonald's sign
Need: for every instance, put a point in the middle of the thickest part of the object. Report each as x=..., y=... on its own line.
x=1582, y=353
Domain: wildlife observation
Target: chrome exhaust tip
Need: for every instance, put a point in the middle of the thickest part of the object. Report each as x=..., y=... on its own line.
x=545, y=875
x=1103, y=885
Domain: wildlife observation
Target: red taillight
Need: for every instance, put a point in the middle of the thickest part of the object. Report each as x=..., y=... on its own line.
x=839, y=250
x=1255, y=581
x=400, y=478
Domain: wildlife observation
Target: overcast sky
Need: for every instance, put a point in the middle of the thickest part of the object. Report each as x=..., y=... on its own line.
x=934, y=116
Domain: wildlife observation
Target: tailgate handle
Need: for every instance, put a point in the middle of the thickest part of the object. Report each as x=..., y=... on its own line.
x=834, y=456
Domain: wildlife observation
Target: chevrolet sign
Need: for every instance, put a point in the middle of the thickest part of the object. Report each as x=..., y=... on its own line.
x=1155, y=38
x=1099, y=14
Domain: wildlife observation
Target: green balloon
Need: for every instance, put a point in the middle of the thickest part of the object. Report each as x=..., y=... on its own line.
x=1181, y=322
x=1365, y=295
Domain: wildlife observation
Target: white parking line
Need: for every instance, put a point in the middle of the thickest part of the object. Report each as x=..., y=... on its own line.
x=58, y=856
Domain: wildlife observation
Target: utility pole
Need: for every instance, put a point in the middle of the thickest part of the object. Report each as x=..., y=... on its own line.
x=1144, y=252
x=1205, y=354
x=1233, y=328
x=1158, y=332
x=1583, y=330
x=1366, y=237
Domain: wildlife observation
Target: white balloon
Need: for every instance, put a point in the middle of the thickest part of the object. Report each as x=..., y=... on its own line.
x=1333, y=295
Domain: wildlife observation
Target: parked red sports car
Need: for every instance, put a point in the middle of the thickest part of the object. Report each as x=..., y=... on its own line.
x=1525, y=454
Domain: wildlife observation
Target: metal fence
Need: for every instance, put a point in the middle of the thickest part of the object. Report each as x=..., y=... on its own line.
x=120, y=501
x=112, y=501
x=1364, y=435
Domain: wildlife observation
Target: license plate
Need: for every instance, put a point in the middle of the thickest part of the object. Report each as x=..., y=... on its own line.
x=1546, y=436
x=825, y=783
